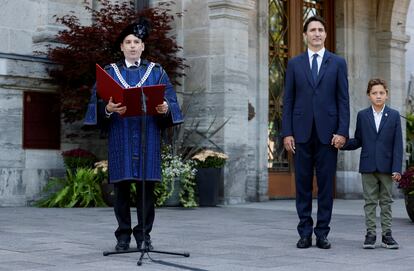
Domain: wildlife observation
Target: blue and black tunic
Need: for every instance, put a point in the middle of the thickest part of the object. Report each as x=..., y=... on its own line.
x=124, y=133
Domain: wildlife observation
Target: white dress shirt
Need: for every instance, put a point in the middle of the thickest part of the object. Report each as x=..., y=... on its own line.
x=320, y=53
x=378, y=117
x=128, y=64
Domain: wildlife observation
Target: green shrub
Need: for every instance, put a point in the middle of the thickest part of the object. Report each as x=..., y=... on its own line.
x=81, y=188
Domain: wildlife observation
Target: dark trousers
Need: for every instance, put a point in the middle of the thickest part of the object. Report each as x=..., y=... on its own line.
x=322, y=157
x=123, y=211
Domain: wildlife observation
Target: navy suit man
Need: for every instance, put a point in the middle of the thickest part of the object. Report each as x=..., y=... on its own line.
x=315, y=117
x=378, y=132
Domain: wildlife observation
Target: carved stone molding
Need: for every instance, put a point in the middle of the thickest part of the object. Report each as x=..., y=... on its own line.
x=233, y=10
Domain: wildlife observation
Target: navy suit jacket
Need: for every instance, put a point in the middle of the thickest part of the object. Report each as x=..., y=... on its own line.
x=382, y=151
x=325, y=102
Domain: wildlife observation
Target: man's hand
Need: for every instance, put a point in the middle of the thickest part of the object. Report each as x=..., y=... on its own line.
x=162, y=108
x=113, y=107
x=289, y=143
x=338, y=141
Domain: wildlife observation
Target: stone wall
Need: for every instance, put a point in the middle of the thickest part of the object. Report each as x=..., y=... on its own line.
x=24, y=172
x=227, y=74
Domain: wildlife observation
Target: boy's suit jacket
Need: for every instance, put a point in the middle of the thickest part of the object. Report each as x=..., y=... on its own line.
x=324, y=102
x=382, y=151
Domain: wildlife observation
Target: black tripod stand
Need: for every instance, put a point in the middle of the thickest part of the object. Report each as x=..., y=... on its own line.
x=147, y=248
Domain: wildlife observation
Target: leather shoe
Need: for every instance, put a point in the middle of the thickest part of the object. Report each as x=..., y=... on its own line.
x=323, y=243
x=122, y=245
x=304, y=242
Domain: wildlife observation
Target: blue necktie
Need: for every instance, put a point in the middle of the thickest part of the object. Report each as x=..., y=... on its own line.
x=314, y=68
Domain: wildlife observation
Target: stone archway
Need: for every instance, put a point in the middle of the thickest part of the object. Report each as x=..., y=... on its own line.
x=391, y=40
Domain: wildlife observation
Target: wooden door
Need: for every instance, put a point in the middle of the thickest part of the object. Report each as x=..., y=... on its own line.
x=286, y=19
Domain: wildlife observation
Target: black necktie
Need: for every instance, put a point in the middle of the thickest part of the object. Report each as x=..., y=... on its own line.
x=315, y=67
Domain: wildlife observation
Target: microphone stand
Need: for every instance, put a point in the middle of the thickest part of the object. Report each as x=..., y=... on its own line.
x=147, y=248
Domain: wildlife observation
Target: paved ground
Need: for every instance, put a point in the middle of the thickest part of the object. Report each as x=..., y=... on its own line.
x=255, y=236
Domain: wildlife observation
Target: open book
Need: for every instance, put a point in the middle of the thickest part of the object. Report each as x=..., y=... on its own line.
x=107, y=87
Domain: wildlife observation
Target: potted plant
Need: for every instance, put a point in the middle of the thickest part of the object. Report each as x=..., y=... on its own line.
x=108, y=192
x=78, y=158
x=209, y=165
x=178, y=185
x=81, y=185
x=406, y=184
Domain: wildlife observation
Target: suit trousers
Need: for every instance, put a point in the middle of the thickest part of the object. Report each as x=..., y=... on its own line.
x=322, y=157
x=377, y=189
x=123, y=211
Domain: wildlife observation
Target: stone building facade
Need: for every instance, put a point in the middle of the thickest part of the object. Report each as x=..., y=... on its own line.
x=225, y=44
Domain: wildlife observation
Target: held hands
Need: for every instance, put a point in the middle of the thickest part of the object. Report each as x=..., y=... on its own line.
x=162, y=108
x=115, y=107
x=338, y=141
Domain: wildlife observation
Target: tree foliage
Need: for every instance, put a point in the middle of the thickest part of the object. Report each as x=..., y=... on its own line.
x=85, y=45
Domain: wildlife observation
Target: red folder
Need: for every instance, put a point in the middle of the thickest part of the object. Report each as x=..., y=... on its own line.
x=107, y=87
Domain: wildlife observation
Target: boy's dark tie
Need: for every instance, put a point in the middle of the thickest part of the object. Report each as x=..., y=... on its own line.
x=315, y=67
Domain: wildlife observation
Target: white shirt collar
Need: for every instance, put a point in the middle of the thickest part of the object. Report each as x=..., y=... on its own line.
x=320, y=53
x=128, y=64
x=378, y=113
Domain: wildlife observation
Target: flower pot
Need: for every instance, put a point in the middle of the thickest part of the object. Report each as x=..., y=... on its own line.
x=108, y=193
x=409, y=206
x=174, y=199
x=208, y=183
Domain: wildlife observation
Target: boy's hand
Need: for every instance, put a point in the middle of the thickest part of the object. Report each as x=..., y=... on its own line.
x=396, y=176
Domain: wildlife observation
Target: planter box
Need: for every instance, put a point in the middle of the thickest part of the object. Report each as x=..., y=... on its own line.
x=108, y=193
x=409, y=205
x=174, y=199
x=208, y=183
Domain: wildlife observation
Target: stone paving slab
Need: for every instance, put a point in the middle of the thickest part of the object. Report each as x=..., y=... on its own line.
x=253, y=236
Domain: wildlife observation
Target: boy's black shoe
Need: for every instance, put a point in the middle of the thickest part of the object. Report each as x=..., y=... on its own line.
x=388, y=241
x=122, y=245
x=370, y=239
x=304, y=242
x=323, y=243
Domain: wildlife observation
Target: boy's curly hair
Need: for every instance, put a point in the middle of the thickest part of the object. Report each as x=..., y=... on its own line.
x=376, y=81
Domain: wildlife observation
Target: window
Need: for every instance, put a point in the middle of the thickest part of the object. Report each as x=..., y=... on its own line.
x=41, y=120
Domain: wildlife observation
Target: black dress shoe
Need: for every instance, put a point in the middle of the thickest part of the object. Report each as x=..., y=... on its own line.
x=304, y=242
x=323, y=243
x=122, y=245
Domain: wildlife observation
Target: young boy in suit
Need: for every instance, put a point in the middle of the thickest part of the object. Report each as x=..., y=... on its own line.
x=378, y=132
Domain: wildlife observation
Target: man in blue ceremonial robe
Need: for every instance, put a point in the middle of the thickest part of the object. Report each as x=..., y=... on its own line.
x=124, y=135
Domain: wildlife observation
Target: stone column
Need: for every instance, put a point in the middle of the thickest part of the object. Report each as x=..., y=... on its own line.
x=391, y=65
x=47, y=27
x=228, y=82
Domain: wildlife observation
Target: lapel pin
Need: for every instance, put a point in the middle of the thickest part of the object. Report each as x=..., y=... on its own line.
x=386, y=114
